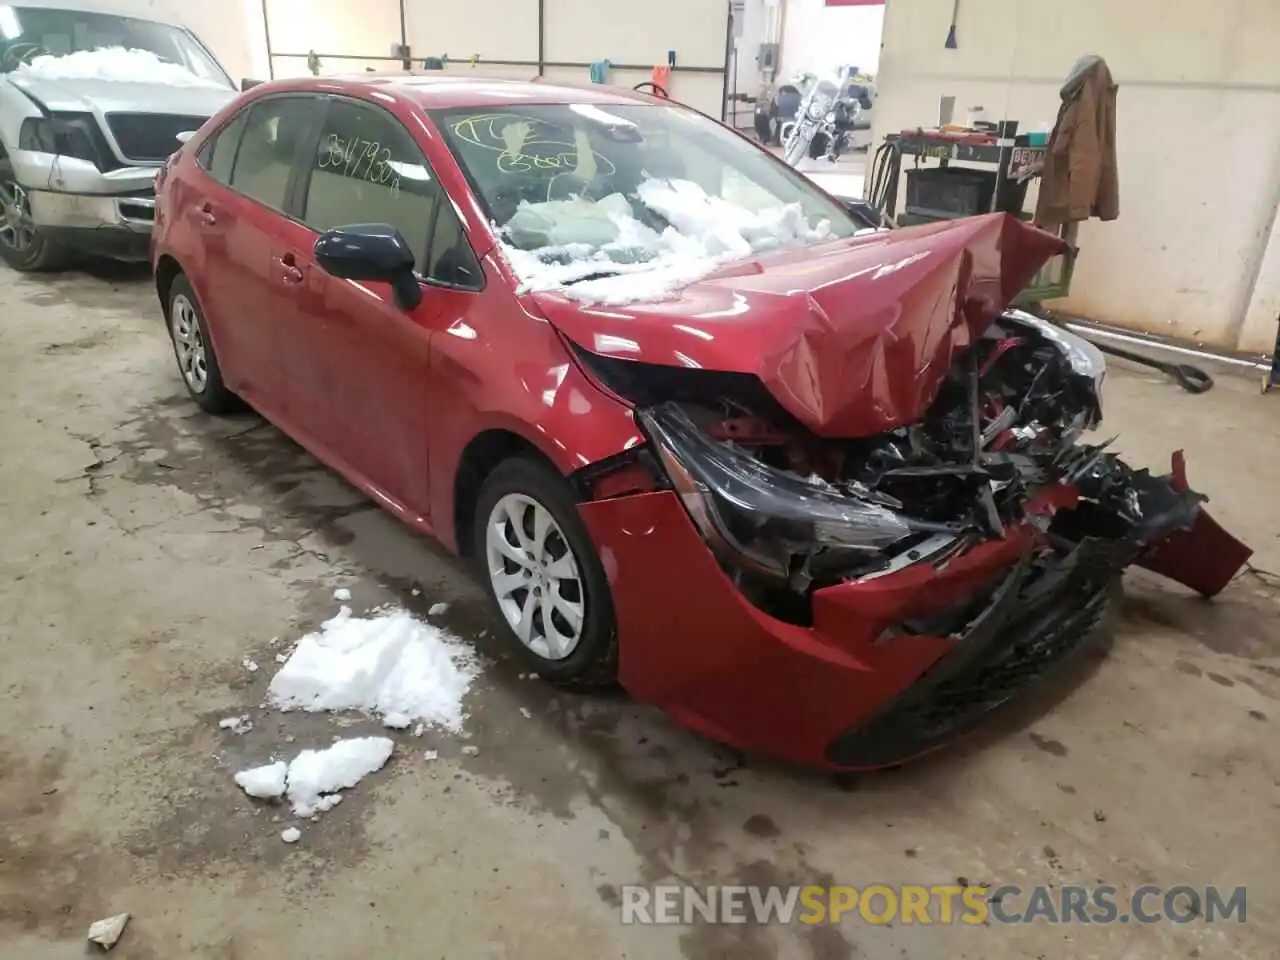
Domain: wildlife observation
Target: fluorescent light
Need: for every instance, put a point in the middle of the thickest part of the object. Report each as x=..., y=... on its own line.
x=10, y=28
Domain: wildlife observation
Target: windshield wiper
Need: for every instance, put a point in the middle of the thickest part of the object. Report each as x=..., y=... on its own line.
x=597, y=275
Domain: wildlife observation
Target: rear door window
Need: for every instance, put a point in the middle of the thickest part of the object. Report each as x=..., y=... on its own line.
x=368, y=169
x=219, y=153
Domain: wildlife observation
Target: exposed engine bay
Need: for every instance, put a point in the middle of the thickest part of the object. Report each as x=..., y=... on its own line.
x=787, y=512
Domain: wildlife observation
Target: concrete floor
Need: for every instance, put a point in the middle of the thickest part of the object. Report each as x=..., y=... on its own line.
x=146, y=550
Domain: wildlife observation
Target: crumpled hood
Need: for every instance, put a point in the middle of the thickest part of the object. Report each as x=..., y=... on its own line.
x=853, y=338
x=112, y=96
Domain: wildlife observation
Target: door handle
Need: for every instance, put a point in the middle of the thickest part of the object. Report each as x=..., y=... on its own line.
x=289, y=271
x=207, y=216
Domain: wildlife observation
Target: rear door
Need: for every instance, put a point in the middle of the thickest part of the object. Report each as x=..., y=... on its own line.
x=247, y=229
x=374, y=356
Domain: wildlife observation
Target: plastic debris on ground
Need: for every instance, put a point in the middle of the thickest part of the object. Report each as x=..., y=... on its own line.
x=290, y=834
x=598, y=251
x=389, y=665
x=342, y=594
x=108, y=931
x=436, y=609
x=237, y=725
x=113, y=63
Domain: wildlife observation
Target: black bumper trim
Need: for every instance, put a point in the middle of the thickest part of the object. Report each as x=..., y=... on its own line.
x=1036, y=618
x=113, y=243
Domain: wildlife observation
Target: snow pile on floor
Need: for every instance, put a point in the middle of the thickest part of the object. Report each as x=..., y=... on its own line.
x=316, y=776
x=114, y=63
x=313, y=779
x=389, y=665
x=266, y=782
x=583, y=239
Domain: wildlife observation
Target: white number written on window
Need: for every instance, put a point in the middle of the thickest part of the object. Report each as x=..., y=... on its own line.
x=366, y=160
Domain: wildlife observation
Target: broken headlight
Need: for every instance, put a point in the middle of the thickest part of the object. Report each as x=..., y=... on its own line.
x=1085, y=359
x=770, y=521
x=65, y=134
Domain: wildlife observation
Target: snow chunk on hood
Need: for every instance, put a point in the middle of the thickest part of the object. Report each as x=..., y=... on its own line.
x=600, y=252
x=114, y=63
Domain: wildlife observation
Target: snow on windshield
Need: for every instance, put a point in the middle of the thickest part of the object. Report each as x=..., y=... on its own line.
x=113, y=63
x=600, y=252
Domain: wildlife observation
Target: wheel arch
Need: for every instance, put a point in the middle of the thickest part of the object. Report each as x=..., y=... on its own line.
x=479, y=457
x=167, y=270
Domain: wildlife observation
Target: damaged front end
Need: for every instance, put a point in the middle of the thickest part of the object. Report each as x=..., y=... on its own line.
x=787, y=512
x=905, y=523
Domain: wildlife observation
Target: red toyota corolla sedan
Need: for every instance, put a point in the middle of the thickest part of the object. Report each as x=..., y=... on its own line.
x=814, y=490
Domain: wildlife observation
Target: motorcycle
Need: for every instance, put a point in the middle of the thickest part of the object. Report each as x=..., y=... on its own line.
x=825, y=119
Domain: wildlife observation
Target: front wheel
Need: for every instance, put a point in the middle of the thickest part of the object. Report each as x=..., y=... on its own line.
x=796, y=148
x=22, y=246
x=544, y=577
x=795, y=142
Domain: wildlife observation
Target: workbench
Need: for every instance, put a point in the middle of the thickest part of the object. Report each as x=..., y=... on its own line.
x=1014, y=158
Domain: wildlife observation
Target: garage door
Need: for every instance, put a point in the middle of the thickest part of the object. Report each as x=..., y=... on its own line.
x=523, y=39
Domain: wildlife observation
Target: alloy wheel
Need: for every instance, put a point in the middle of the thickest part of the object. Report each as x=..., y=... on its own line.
x=535, y=576
x=188, y=343
x=17, y=231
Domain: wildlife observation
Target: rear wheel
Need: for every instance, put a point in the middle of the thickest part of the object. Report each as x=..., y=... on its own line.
x=544, y=577
x=22, y=246
x=197, y=361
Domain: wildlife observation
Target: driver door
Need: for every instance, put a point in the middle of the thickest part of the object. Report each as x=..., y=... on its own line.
x=371, y=356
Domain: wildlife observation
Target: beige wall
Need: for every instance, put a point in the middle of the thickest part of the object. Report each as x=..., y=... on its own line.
x=575, y=31
x=1196, y=251
x=819, y=38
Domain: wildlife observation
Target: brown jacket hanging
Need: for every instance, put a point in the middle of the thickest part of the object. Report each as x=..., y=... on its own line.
x=1080, y=179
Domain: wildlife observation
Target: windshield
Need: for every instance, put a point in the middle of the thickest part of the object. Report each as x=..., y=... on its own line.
x=580, y=193
x=28, y=33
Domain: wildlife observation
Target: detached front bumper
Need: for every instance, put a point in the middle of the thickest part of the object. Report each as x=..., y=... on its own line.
x=892, y=667
x=115, y=227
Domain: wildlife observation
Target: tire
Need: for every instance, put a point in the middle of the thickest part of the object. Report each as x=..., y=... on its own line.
x=519, y=487
x=796, y=150
x=23, y=247
x=193, y=350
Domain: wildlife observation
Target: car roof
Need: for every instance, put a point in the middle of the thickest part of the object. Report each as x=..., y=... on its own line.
x=443, y=91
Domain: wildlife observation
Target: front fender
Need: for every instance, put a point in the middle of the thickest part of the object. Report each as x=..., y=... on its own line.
x=512, y=372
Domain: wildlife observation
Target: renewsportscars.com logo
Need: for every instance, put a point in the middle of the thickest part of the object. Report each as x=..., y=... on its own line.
x=935, y=904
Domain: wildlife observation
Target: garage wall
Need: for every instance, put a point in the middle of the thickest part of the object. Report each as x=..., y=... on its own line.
x=1196, y=252
x=353, y=35
x=226, y=30
x=817, y=36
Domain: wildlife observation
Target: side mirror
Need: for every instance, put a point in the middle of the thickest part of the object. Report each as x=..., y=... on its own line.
x=247, y=84
x=863, y=212
x=374, y=252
